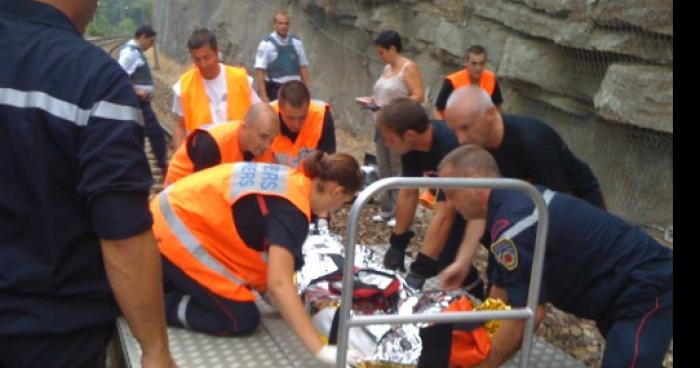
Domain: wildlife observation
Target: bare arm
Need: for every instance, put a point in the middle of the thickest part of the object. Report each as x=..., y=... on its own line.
x=284, y=295
x=438, y=230
x=305, y=76
x=414, y=82
x=454, y=274
x=508, y=338
x=134, y=271
x=260, y=81
x=179, y=132
x=406, y=204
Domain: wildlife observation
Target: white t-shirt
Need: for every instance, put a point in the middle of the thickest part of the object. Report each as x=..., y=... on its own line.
x=216, y=93
x=267, y=53
x=130, y=60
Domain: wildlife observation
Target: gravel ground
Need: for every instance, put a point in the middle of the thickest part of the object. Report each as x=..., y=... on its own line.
x=576, y=336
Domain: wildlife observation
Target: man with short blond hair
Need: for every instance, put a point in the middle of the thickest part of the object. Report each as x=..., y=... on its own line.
x=280, y=58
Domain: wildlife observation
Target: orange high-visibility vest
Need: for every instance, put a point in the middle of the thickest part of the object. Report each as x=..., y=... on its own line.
x=469, y=348
x=226, y=137
x=291, y=153
x=194, y=228
x=195, y=104
x=461, y=79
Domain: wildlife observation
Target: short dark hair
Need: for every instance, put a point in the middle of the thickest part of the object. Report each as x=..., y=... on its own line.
x=294, y=93
x=386, y=39
x=403, y=114
x=476, y=50
x=145, y=30
x=469, y=160
x=201, y=37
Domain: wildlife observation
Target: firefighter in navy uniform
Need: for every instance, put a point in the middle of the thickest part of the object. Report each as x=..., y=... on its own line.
x=597, y=266
x=524, y=148
x=76, y=248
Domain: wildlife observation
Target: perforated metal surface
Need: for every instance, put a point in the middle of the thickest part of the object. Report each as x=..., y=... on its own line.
x=274, y=344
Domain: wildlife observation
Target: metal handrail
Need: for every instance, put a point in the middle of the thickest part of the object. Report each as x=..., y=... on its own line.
x=528, y=313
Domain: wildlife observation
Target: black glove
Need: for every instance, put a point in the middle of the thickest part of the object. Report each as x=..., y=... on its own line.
x=422, y=268
x=393, y=259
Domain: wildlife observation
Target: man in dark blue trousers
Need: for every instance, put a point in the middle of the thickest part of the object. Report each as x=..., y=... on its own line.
x=134, y=63
x=596, y=266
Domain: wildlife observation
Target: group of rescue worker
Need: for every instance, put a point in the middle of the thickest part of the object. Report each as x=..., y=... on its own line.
x=79, y=243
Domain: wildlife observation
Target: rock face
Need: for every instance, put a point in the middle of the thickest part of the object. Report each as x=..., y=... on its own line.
x=599, y=71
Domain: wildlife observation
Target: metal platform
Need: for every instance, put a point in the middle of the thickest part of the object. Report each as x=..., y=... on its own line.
x=274, y=344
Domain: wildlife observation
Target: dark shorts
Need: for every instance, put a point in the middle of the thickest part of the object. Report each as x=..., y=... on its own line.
x=272, y=89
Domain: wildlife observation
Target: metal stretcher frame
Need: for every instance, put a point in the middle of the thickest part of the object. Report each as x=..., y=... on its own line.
x=527, y=313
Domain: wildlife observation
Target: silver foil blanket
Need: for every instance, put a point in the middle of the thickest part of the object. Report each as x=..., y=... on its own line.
x=319, y=283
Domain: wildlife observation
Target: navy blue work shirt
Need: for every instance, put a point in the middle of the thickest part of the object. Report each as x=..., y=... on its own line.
x=425, y=164
x=533, y=151
x=597, y=266
x=73, y=171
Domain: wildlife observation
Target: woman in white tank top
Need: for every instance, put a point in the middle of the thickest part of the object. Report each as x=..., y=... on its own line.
x=400, y=78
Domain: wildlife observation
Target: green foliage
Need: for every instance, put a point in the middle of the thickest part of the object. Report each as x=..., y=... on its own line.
x=119, y=17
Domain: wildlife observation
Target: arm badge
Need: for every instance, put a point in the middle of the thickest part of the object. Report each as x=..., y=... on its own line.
x=506, y=253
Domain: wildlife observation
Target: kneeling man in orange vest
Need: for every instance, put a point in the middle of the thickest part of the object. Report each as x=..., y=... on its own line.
x=233, y=229
x=306, y=125
x=234, y=141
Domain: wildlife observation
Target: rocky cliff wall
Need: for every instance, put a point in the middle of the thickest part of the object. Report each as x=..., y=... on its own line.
x=599, y=71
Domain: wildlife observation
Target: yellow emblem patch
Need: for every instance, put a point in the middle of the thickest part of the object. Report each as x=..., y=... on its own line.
x=506, y=253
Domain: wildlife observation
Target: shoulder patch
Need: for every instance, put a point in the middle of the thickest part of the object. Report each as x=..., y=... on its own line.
x=506, y=253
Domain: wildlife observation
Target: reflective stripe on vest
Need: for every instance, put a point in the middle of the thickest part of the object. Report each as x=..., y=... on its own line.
x=186, y=238
x=461, y=79
x=193, y=222
x=291, y=153
x=195, y=103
